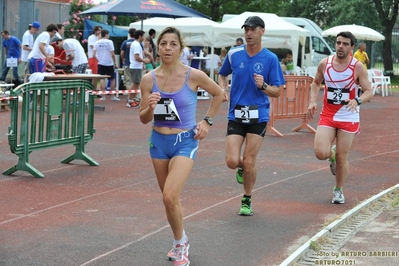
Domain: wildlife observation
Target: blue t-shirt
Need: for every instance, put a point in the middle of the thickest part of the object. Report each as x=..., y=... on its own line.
x=244, y=91
x=126, y=47
x=13, y=46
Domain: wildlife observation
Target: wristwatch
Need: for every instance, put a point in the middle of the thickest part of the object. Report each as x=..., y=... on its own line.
x=264, y=87
x=358, y=100
x=208, y=120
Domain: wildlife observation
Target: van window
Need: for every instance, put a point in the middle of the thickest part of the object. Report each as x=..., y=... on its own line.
x=319, y=46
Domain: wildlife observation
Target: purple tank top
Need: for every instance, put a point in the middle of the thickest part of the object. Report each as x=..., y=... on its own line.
x=175, y=109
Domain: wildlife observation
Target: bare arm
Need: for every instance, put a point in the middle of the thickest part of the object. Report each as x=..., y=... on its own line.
x=139, y=59
x=149, y=100
x=271, y=90
x=113, y=58
x=42, y=47
x=361, y=76
x=197, y=79
x=222, y=81
x=315, y=88
x=122, y=55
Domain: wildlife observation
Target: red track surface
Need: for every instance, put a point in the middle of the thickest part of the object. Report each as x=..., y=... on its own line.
x=112, y=214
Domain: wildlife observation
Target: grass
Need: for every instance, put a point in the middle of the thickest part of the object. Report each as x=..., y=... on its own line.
x=395, y=82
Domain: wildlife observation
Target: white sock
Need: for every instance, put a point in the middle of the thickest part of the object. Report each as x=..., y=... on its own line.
x=182, y=240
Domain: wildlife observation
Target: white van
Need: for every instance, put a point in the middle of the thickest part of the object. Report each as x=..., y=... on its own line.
x=321, y=49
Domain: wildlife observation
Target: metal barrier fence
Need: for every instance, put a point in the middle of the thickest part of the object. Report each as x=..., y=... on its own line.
x=53, y=113
x=292, y=103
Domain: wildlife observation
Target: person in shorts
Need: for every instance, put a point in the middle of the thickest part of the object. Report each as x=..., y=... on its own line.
x=90, y=45
x=104, y=53
x=125, y=54
x=175, y=134
x=136, y=57
x=256, y=76
x=344, y=77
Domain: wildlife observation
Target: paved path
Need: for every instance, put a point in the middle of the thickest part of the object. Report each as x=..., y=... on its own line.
x=112, y=214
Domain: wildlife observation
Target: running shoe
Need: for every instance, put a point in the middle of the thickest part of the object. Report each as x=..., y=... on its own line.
x=338, y=196
x=102, y=98
x=181, y=255
x=333, y=160
x=239, y=175
x=172, y=254
x=135, y=103
x=114, y=98
x=246, y=207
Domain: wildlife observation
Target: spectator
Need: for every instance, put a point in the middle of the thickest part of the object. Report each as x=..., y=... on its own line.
x=361, y=55
x=60, y=32
x=289, y=64
x=239, y=41
x=186, y=56
x=74, y=52
x=38, y=57
x=136, y=65
x=148, y=53
x=104, y=54
x=27, y=45
x=217, y=63
x=90, y=45
x=152, y=34
x=223, y=55
x=12, y=49
x=125, y=54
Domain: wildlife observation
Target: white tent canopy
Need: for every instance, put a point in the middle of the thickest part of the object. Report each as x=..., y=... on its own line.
x=278, y=33
x=196, y=31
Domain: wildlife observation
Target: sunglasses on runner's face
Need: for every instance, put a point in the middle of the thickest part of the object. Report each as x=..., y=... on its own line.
x=343, y=43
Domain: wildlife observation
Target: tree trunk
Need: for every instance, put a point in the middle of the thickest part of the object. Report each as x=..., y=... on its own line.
x=387, y=49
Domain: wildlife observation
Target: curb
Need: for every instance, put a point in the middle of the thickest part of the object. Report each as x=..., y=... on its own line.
x=302, y=250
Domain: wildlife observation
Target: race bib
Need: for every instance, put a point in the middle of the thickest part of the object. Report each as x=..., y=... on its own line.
x=166, y=110
x=12, y=62
x=337, y=95
x=248, y=114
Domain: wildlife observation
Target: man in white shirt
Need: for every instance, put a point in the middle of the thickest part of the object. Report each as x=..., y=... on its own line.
x=185, y=56
x=217, y=63
x=38, y=57
x=60, y=32
x=74, y=52
x=27, y=45
x=104, y=53
x=136, y=57
x=27, y=40
x=90, y=45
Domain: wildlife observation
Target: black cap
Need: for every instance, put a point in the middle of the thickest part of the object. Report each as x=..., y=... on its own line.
x=253, y=22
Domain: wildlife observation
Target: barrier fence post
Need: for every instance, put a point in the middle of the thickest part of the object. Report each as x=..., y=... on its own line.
x=53, y=113
x=292, y=103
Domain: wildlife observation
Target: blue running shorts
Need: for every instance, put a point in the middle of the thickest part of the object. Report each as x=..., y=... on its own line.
x=168, y=146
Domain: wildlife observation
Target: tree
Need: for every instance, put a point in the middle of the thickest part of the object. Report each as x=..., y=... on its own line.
x=387, y=13
x=74, y=27
x=215, y=9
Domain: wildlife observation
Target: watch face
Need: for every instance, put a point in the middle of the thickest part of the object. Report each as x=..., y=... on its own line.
x=209, y=120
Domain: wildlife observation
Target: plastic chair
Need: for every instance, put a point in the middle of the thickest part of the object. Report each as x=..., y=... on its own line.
x=378, y=76
x=375, y=85
x=311, y=71
x=299, y=71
